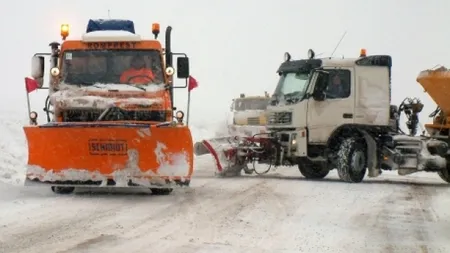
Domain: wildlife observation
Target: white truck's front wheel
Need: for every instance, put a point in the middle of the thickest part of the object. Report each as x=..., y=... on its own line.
x=352, y=160
x=312, y=170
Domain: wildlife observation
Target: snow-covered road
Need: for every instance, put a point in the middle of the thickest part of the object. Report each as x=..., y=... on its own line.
x=280, y=212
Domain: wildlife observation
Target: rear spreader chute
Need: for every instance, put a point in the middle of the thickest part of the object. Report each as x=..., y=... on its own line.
x=109, y=154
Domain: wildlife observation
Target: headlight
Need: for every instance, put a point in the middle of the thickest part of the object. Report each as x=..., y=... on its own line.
x=33, y=115
x=170, y=71
x=179, y=115
x=294, y=139
x=54, y=71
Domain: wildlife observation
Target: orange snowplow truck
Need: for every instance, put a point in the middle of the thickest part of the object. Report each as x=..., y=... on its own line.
x=111, y=120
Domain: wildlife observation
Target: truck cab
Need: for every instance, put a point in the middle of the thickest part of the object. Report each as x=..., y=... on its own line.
x=99, y=71
x=111, y=119
x=319, y=98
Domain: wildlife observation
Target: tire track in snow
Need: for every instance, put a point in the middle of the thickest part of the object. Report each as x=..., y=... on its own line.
x=63, y=226
x=246, y=214
x=207, y=218
x=404, y=222
x=48, y=228
x=199, y=206
x=152, y=223
x=123, y=217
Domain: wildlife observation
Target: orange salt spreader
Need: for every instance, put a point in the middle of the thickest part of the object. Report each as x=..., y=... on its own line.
x=437, y=84
x=102, y=130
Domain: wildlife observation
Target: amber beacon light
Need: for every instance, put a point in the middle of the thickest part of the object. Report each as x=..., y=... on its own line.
x=64, y=31
x=155, y=29
x=362, y=53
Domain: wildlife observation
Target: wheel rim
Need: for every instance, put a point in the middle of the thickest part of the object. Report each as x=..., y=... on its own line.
x=358, y=161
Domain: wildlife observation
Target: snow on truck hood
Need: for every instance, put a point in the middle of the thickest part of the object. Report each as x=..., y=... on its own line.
x=76, y=97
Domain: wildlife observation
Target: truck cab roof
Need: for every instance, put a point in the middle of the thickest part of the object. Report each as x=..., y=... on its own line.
x=310, y=64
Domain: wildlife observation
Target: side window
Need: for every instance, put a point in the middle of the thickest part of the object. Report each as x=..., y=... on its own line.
x=339, y=83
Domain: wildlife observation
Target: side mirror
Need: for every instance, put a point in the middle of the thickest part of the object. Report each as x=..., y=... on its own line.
x=319, y=95
x=183, y=67
x=37, y=67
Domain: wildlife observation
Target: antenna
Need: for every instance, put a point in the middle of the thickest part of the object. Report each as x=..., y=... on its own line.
x=343, y=35
x=109, y=13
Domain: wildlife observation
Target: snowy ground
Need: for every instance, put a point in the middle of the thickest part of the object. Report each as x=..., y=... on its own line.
x=280, y=212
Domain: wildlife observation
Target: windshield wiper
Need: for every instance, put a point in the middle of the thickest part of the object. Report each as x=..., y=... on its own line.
x=83, y=84
x=136, y=86
x=96, y=86
x=274, y=99
x=292, y=94
x=292, y=97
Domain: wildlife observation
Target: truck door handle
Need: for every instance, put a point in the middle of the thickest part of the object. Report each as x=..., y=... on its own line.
x=347, y=115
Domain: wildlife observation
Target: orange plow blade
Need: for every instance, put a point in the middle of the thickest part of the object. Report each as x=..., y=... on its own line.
x=109, y=154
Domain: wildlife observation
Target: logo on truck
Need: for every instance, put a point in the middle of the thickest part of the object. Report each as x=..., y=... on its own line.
x=108, y=147
x=111, y=45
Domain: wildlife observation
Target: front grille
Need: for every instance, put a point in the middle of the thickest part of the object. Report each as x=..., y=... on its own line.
x=280, y=118
x=253, y=121
x=81, y=115
x=115, y=114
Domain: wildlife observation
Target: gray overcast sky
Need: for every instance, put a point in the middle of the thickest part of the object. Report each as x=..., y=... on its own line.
x=236, y=46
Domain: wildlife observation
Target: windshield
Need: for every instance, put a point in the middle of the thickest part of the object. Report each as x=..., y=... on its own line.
x=292, y=86
x=250, y=104
x=88, y=67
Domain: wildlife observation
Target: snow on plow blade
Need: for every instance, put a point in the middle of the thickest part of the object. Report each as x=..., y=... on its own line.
x=112, y=154
x=223, y=151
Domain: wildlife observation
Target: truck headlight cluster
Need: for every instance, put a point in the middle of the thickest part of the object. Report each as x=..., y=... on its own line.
x=179, y=116
x=33, y=118
x=294, y=139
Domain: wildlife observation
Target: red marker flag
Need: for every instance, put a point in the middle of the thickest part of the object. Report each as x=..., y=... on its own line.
x=192, y=83
x=31, y=84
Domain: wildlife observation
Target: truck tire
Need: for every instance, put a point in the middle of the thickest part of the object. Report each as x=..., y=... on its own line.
x=352, y=160
x=161, y=191
x=445, y=173
x=62, y=189
x=312, y=170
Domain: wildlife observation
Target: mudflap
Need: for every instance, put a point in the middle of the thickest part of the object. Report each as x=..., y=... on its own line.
x=109, y=155
x=224, y=153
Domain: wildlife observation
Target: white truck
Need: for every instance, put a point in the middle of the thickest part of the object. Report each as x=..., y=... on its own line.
x=334, y=113
x=248, y=115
